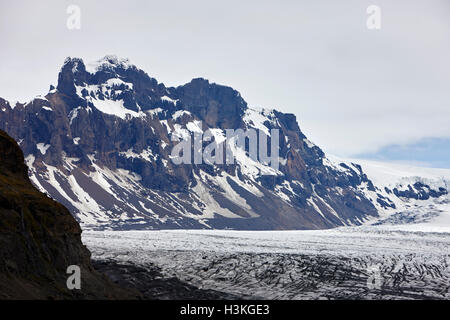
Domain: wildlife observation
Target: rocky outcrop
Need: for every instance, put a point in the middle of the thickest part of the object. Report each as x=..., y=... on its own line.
x=39, y=239
x=420, y=191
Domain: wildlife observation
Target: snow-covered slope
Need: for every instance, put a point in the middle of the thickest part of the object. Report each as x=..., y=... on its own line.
x=419, y=195
x=392, y=174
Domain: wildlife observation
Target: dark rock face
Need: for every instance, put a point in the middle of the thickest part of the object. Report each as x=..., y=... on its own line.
x=39, y=239
x=218, y=106
x=101, y=142
x=420, y=191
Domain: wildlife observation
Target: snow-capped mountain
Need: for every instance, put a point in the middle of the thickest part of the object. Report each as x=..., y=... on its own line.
x=100, y=142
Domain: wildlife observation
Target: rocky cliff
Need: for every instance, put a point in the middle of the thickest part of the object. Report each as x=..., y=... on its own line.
x=39, y=239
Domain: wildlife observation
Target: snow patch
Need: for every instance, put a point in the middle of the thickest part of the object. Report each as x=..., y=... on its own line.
x=42, y=147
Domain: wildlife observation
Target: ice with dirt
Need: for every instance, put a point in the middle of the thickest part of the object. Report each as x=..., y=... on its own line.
x=372, y=262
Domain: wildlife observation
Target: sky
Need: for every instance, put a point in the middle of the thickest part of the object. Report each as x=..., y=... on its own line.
x=380, y=94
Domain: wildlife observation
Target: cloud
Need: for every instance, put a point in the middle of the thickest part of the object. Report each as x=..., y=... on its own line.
x=353, y=90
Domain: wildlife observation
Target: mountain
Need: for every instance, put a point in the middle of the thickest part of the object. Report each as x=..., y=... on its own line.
x=100, y=142
x=39, y=239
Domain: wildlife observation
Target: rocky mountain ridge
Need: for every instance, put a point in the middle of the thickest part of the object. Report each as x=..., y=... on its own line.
x=101, y=141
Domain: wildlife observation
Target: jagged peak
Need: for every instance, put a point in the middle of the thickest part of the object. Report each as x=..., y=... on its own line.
x=109, y=62
x=75, y=72
x=75, y=64
x=70, y=60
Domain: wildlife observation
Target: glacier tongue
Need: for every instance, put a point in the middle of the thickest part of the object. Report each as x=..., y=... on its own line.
x=312, y=264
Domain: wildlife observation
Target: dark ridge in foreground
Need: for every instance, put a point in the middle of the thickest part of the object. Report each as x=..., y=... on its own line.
x=154, y=286
x=39, y=239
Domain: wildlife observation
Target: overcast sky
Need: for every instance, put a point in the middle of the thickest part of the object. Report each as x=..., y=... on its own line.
x=354, y=90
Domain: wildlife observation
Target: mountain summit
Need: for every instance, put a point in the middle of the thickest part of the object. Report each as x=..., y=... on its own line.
x=101, y=142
